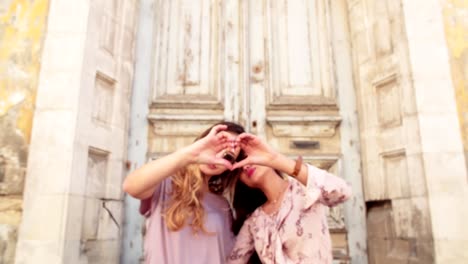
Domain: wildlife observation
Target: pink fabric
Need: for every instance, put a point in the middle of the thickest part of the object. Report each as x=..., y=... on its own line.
x=298, y=231
x=183, y=247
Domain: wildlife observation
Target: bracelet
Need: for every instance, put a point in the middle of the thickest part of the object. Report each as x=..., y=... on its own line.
x=297, y=167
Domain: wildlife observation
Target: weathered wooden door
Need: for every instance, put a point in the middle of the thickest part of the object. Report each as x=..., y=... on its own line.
x=269, y=65
x=294, y=72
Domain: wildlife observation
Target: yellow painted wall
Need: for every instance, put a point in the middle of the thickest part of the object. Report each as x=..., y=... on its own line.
x=456, y=29
x=22, y=29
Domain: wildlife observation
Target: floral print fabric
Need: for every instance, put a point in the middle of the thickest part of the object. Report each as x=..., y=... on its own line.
x=298, y=231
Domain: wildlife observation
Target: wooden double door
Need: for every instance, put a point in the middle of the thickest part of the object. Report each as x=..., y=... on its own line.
x=272, y=66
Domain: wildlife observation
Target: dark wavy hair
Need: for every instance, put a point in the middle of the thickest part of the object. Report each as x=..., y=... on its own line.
x=246, y=201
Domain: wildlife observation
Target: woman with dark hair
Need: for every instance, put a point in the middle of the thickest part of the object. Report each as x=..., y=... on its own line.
x=288, y=224
x=188, y=220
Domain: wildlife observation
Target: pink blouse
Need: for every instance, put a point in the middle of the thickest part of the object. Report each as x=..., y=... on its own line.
x=298, y=231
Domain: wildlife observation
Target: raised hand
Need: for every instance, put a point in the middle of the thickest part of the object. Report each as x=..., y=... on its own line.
x=206, y=150
x=257, y=151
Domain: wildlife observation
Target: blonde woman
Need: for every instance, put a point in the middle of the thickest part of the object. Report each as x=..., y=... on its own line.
x=189, y=222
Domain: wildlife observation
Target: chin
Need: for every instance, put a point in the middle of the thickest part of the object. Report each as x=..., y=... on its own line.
x=205, y=169
x=251, y=184
x=250, y=181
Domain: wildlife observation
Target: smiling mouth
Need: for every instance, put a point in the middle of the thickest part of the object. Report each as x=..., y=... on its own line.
x=212, y=166
x=229, y=156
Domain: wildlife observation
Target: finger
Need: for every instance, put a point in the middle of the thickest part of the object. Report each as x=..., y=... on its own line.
x=216, y=129
x=225, y=137
x=221, y=146
x=245, y=137
x=245, y=146
x=222, y=136
x=241, y=136
x=218, y=145
x=223, y=162
x=221, y=139
x=241, y=163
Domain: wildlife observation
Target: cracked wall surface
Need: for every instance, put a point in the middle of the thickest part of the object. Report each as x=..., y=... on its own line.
x=22, y=26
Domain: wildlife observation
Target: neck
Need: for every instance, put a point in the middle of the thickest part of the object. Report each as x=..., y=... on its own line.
x=206, y=179
x=273, y=187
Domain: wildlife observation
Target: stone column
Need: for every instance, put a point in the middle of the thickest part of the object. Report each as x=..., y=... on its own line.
x=440, y=133
x=73, y=198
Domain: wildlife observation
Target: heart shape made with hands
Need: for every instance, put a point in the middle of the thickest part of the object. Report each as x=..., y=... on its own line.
x=229, y=153
x=229, y=156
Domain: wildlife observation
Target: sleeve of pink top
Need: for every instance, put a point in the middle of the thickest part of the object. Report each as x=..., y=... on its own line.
x=333, y=190
x=145, y=206
x=244, y=246
x=148, y=204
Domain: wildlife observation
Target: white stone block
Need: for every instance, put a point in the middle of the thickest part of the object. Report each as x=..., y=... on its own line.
x=67, y=16
x=445, y=172
x=51, y=154
x=440, y=133
x=451, y=251
x=39, y=251
x=75, y=218
x=79, y=172
x=43, y=219
x=58, y=90
x=448, y=215
x=63, y=52
x=434, y=96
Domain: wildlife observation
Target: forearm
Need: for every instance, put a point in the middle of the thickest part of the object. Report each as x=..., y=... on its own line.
x=286, y=165
x=334, y=190
x=141, y=182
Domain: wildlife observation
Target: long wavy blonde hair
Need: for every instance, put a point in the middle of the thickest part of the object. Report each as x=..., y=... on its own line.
x=187, y=192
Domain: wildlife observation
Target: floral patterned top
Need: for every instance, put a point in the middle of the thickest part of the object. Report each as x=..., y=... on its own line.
x=298, y=231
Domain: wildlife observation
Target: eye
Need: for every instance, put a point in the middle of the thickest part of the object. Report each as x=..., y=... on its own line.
x=229, y=157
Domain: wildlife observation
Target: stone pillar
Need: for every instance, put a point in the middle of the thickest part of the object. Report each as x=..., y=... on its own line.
x=440, y=132
x=73, y=198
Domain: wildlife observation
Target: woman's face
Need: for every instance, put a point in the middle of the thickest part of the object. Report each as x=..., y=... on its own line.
x=230, y=153
x=253, y=175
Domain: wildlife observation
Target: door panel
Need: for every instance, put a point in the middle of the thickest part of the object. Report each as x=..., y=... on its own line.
x=298, y=52
x=194, y=68
x=188, y=55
